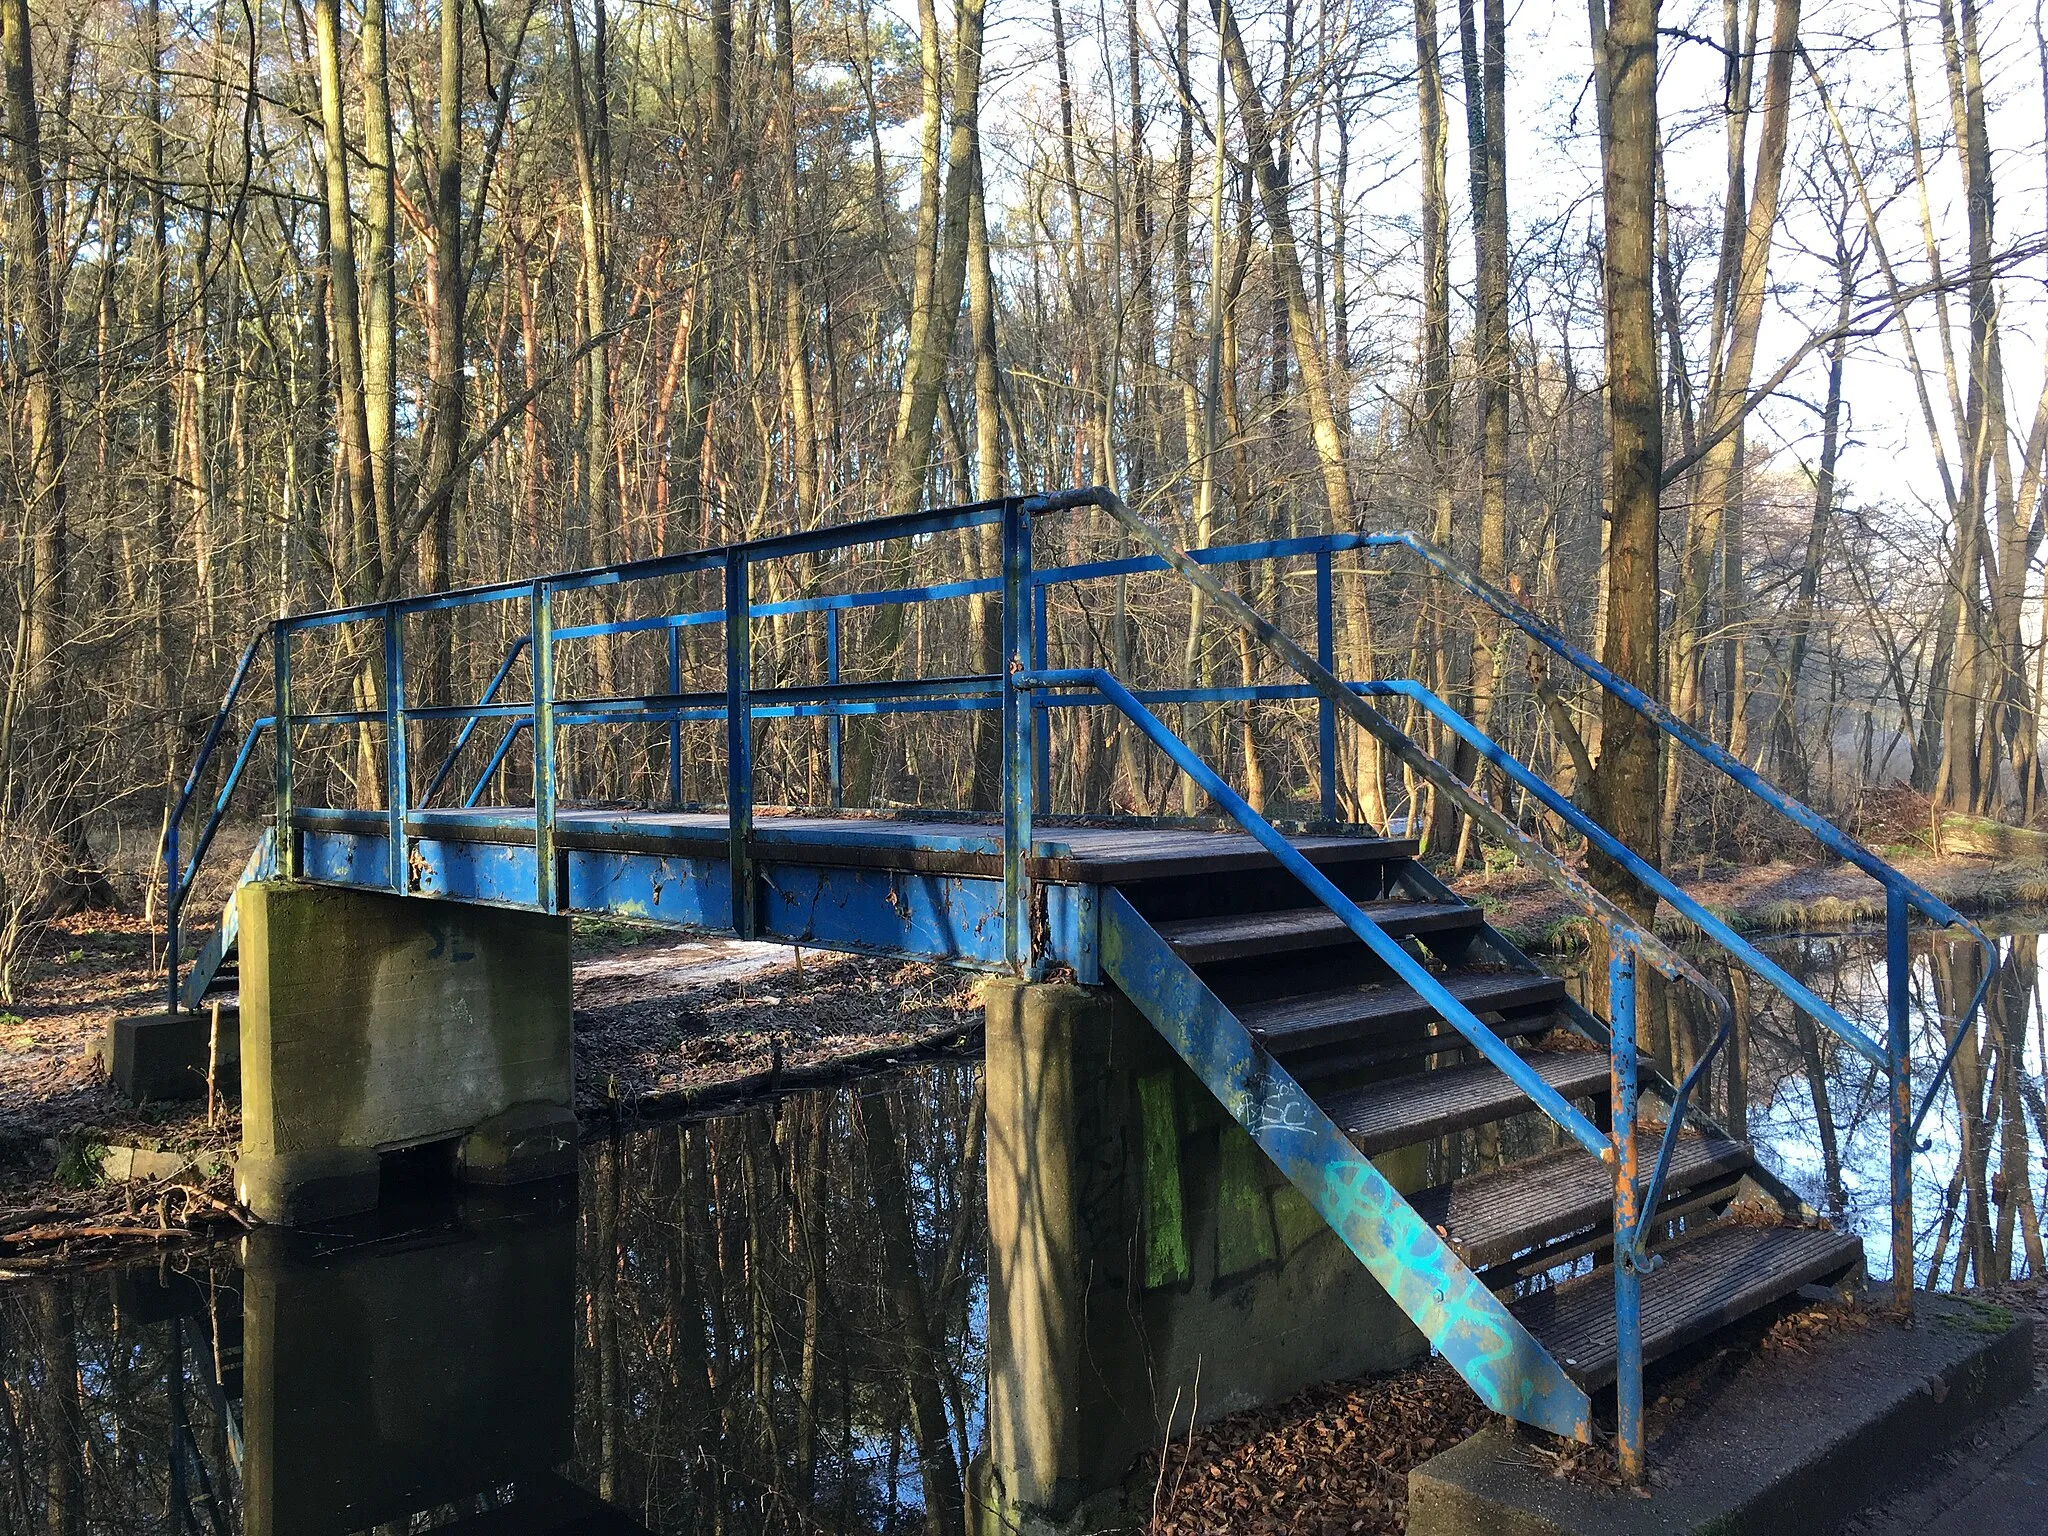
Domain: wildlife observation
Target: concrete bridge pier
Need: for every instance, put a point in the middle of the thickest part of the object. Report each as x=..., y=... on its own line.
x=372, y=1023
x=1148, y=1266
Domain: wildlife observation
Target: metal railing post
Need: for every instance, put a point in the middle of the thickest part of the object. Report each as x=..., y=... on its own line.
x=675, y=726
x=1041, y=720
x=397, y=791
x=172, y=901
x=1018, y=779
x=1898, y=968
x=1628, y=1298
x=739, y=742
x=281, y=706
x=546, y=873
x=1326, y=712
x=835, y=727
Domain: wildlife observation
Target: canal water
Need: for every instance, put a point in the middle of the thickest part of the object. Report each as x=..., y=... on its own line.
x=773, y=1321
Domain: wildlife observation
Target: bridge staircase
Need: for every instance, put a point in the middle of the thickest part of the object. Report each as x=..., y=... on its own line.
x=1373, y=1067
x=1574, y=1215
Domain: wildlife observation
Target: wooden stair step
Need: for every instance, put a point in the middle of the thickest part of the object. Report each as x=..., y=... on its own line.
x=1348, y=1058
x=1125, y=856
x=1702, y=1285
x=1493, y=1216
x=1249, y=935
x=1316, y=1018
x=1401, y=1111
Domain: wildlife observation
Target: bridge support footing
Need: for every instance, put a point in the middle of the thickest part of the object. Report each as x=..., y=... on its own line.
x=158, y=1056
x=372, y=1023
x=1147, y=1265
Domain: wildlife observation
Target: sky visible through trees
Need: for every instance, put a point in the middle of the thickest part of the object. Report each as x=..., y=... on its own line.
x=1715, y=332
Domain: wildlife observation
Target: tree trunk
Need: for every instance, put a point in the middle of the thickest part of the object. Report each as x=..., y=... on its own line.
x=446, y=388
x=925, y=368
x=1623, y=791
x=45, y=530
x=1436, y=360
x=380, y=300
x=796, y=350
x=1308, y=355
x=1717, y=483
x=591, y=538
x=1485, y=67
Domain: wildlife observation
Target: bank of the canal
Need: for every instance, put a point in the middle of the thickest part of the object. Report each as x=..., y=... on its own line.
x=663, y=1026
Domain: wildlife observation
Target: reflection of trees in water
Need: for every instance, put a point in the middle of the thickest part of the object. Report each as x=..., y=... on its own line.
x=781, y=1316
x=1812, y=1102
x=105, y=1428
x=779, y=1328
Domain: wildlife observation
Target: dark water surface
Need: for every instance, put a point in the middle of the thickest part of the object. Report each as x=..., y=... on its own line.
x=774, y=1321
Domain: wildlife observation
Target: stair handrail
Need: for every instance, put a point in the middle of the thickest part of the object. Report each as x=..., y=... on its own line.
x=1731, y=767
x=177, y=880
x=1651, y=1191
x=1655, y=880
x=1377, y=939
x=1902, y=894
x=1620, y=926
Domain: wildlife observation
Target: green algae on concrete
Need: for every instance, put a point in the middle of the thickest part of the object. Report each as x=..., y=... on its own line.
x=372, y=1022
x=1089, y=1116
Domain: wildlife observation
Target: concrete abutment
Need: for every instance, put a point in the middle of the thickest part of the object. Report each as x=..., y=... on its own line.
x=373, y=1023
x=1148, y=1265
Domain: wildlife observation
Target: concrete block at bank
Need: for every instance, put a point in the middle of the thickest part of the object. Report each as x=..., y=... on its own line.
x=153, y=1057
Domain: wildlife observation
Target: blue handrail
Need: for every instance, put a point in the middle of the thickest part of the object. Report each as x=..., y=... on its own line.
x=1830, y=836
x=475, y=718
x=1377, y=939
x=173, y=888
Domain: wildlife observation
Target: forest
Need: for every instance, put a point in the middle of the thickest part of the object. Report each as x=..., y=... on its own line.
x=1726, y=361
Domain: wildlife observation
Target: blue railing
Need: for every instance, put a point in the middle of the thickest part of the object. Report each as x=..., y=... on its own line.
x=1903, y=896
x=1026, y=689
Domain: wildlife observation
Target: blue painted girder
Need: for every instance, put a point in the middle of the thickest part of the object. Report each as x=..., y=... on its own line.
x=1467, y=1324
x=946, y=919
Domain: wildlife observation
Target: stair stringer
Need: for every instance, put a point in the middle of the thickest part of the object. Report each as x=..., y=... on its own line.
x=214, y=953
x=1500, y=1359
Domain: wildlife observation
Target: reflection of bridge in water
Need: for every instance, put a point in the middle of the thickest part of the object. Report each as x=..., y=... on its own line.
x=1318, y=1010
x=361, y=1379
x=701, y=1339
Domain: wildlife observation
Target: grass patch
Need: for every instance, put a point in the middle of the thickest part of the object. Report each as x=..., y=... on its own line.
x=78, y=1162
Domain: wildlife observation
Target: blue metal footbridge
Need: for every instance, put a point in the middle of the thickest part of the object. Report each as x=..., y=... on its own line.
x=1332, y=993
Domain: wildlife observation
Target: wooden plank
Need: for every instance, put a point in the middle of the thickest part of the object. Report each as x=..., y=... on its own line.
x=1702, y=1285
x=1348, y=1059
x=924, y=844
x=1137, y=856
x=1404, y=1110
x=1492, y=1216
x=1248, y=935
x=1319, y=1018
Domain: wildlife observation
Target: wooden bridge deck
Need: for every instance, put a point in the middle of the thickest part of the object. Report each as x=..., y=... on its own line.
x=1075, y=855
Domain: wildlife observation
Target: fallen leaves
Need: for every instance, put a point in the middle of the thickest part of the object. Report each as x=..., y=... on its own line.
x=1798, y=1332
x=1333, y=1460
